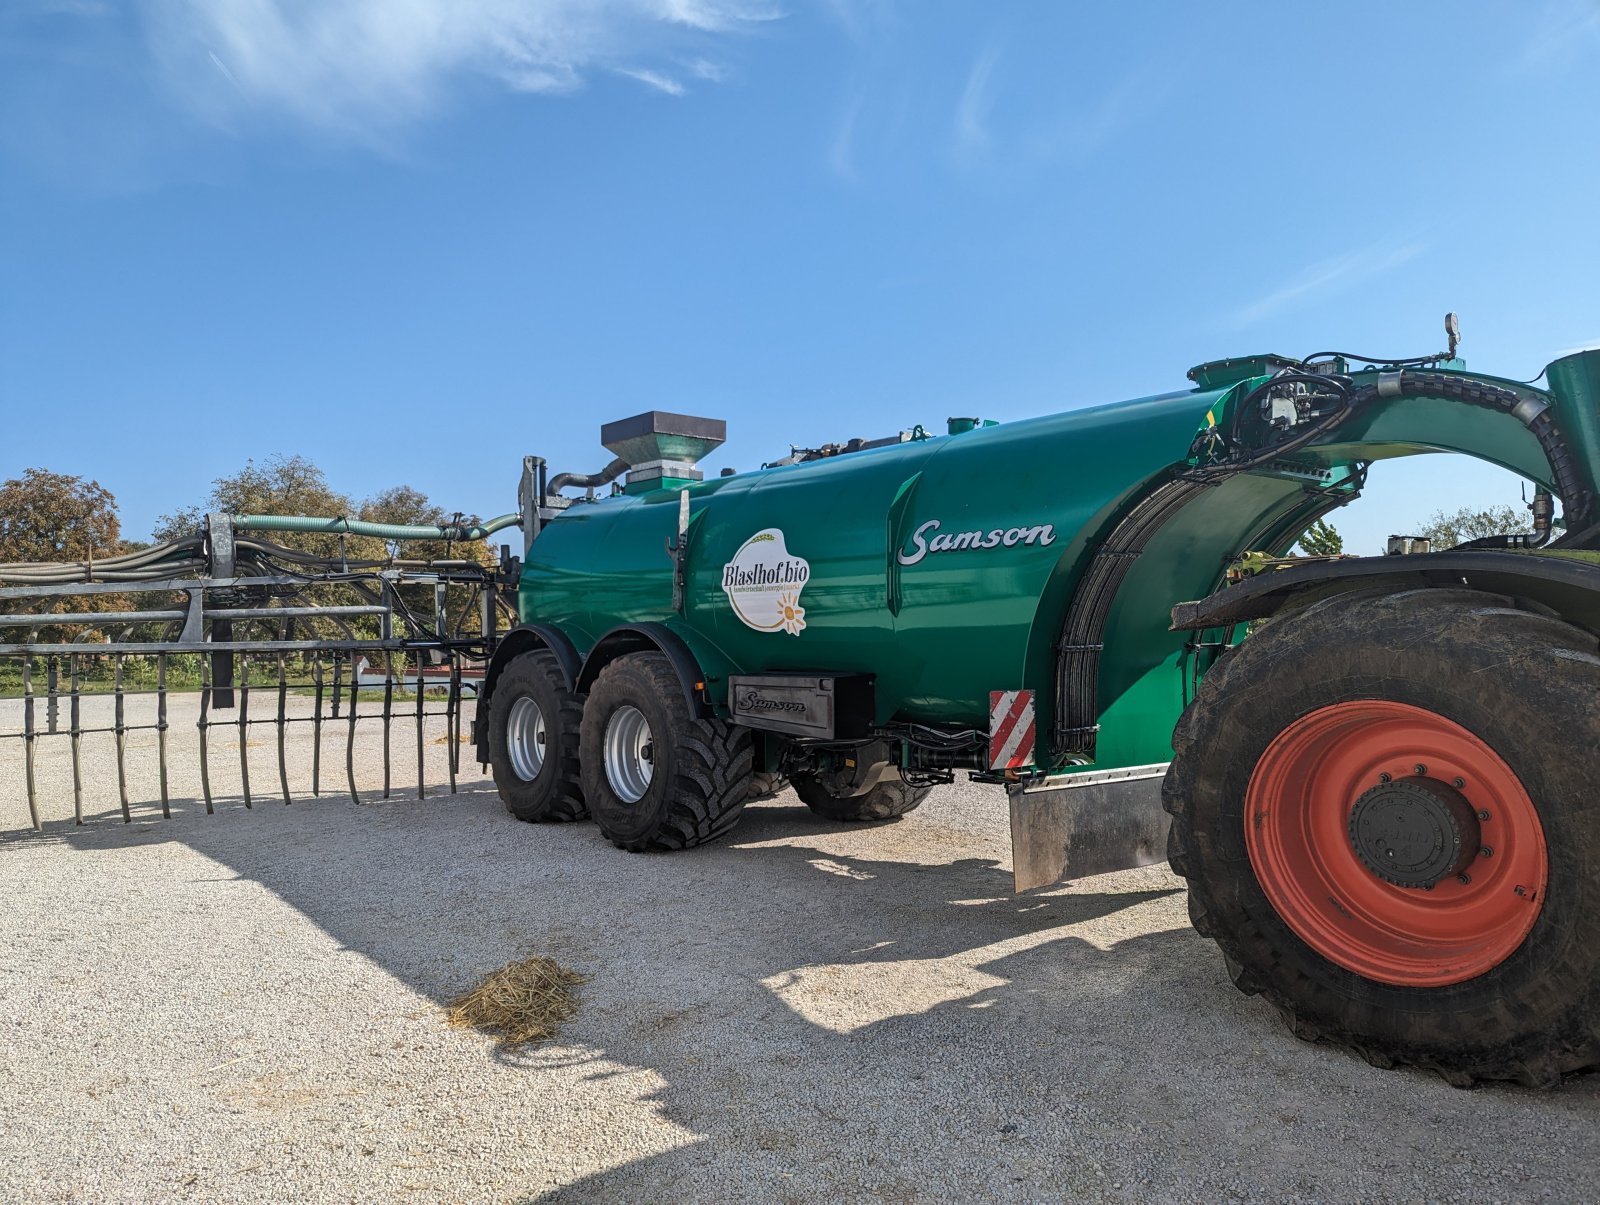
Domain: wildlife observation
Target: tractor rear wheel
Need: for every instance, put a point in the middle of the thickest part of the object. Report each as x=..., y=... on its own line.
x=891, y=798
x=655, y=775
x=1383, y=807
x=533, y=740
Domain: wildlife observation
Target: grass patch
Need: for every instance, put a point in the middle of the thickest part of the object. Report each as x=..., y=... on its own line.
x=97, y=675
x=519, y=1004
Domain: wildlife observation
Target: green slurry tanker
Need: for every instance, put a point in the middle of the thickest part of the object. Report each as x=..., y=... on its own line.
x=1381, y=779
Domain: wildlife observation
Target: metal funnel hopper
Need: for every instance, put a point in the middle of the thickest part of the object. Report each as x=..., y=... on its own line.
x=661, y=447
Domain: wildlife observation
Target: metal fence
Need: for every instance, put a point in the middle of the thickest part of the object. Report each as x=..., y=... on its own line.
x=253, y=645
x=53, y=690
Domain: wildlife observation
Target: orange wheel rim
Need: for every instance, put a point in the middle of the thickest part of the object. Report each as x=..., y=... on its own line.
x=1395, y=843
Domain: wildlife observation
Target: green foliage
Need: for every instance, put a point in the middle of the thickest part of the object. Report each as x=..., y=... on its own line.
x=401, y=504
x=97, y=675
x=1446, y=530
x=1321, y=539
x=283, y=485
x=47, y=516
x=292, y=485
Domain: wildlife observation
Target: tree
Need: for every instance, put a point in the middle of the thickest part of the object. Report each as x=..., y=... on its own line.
x=283, y=485
x=292, y=485
x=406, y=506
x=1457, y=527
x=1321, y=539
x=47, y=516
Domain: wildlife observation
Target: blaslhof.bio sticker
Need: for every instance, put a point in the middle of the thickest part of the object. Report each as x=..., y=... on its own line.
x=763, y=583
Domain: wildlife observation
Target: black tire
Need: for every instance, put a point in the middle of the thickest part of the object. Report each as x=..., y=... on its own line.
x=1521, y=682
x=554, y=792
x=764, y=784
x=889, y=800
x=700, y=769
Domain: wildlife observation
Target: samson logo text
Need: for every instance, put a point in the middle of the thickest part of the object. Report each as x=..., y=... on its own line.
x=922, y=543
x=752, y=701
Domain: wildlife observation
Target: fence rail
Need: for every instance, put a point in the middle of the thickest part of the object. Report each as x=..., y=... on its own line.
x=54, y=690
x=272, y=626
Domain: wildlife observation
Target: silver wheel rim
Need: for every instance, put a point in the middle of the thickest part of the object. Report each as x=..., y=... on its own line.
x=525, y=738
x=629, y=758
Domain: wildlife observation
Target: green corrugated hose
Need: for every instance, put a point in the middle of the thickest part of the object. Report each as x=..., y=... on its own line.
x=384, y=531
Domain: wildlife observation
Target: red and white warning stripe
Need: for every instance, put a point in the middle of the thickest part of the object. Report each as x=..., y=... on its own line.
x=1010, y=729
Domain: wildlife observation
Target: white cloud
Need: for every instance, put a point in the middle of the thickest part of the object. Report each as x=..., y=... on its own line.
x=1326, y=276
x=972, y=110
x=862, y=20
x=656, y=80
x=842, y=153
x=365, y=68
x=1565, y=32
x=707, y=70
x=1083, y=131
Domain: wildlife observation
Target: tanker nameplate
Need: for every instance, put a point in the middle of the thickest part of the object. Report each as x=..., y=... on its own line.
x=826, y=708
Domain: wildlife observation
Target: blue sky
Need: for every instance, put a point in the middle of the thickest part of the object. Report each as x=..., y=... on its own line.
x=415, y=241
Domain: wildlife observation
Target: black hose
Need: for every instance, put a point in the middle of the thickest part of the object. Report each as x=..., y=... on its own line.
x=1414, y=361
x=588, y=481
x=1341, y=385
x=1577, y=500
x=1083, y=627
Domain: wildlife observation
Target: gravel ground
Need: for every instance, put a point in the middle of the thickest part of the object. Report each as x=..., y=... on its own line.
x=245, y=1007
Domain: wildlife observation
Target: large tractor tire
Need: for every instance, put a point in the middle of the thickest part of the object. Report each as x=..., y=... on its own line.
x=533, y=740
x=655, y=776
x=888, y=800
x=1384, y=807
x=764, y=784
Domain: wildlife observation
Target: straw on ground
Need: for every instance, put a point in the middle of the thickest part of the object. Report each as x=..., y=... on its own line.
x=521, y=1003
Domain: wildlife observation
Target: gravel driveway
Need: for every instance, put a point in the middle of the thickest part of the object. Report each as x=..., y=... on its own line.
x=245, y=1007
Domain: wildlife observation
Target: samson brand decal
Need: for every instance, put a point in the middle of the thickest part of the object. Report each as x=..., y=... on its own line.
x=949, y=541
x=763, y=584
x=751, y=699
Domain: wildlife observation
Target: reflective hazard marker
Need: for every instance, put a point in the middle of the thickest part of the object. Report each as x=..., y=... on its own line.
x=1010, y=729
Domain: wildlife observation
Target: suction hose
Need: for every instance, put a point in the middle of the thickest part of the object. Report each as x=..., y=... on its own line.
x=589, y=481
x=384, y=531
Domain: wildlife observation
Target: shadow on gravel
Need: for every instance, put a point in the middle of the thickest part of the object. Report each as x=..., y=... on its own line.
x=796, y=1001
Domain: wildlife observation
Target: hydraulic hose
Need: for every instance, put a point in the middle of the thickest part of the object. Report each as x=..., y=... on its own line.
x=1533, y=413
x=151, y=563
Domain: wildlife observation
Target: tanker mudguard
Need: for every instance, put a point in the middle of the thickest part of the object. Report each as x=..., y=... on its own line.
x=521, y=639
x=1567, y=585
x=646, y=638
